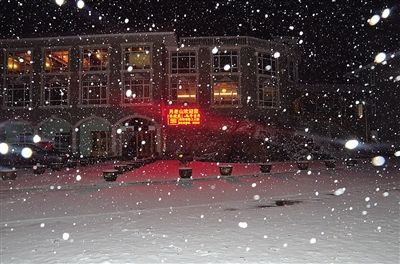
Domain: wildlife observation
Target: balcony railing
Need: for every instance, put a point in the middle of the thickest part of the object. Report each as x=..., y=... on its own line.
x=226, y=41
x=287, y=45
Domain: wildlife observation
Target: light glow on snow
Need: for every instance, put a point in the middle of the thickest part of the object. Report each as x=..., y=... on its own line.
x=174, y=215
x=339, y=191
x=66, y=236
x=243, y=224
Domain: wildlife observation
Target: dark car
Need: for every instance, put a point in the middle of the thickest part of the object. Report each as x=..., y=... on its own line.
x=25, y=154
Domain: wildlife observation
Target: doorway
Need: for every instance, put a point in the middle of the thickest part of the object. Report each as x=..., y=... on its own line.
x=99, y=143
x=138, y=138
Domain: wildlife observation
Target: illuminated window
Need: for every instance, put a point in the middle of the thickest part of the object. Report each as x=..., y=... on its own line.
x=137, y=58
x=137, y=90
x=19, y=62
x=17, y=85
x=56, y=92
x=226, y=93
x=95, y=59
x=18, y=95
x=268, y=95
x=94, y=92
x=57, y=60
x=183, y=62
x=225, y=61
x=266, y=64
x=183, y=90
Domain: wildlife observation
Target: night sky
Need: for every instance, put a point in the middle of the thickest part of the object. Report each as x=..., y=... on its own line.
x=334, y=36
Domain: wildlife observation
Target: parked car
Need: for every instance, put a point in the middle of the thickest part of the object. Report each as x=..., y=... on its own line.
x=26, y=154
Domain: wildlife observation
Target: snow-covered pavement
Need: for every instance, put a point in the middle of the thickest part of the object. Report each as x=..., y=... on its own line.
x=345, y=215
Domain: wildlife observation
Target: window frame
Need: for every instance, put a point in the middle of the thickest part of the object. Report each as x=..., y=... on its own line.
x=145, y=85
x=104, y=52
x=265, y=59
x=147, y=50
x=271, y=86
x=60, y=138
x=102, y=84
x=186, y=57
x=49, y=92
x=11, y=99
x=219, y=61
x=26, y=54
x=192, y=84
x=65, y=51
x=223, y=103
x=18, y=85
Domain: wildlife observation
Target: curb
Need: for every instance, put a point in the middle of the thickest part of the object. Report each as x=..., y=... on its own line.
x=105, y=184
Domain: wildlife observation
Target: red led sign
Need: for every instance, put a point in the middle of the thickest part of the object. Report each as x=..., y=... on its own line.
x=183, y=116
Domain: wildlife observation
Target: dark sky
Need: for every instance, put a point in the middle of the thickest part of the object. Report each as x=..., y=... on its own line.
x=334, y=35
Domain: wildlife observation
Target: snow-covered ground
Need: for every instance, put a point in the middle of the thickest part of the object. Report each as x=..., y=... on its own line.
x=345, y=215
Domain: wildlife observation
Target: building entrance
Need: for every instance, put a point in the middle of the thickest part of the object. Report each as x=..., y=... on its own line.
x=99, y=143
x=138, y=138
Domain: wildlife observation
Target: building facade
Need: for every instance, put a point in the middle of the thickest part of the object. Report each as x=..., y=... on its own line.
x=134, y=95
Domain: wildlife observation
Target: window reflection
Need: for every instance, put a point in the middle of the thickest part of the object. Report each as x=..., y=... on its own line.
x=186, y=92
x=19, y=62
x=137, y=58
x=226, y=93
x=57, y=61
x=95, y=59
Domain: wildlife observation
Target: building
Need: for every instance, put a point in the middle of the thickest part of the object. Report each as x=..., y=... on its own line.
x=380, y=82
x=140, y=94
x=336, y=111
